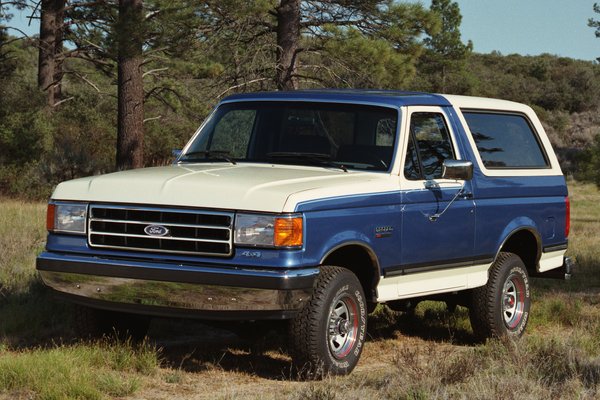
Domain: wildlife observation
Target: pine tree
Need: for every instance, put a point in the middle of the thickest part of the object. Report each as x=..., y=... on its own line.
x=446, y=53
x=130, y=118
x=137, y=43
x=308, y=43
x=50, y=46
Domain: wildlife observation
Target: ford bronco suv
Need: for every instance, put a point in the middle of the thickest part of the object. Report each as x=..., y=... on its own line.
x=314, y=206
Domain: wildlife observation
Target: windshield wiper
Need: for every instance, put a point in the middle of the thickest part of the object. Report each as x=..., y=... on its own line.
x=222, y=155
x=314, y=158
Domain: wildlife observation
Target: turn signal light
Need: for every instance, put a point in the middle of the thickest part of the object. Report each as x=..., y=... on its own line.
x=288, y=232
x=50, y=216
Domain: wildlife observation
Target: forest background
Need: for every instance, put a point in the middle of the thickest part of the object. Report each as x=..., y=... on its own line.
x=109, y=85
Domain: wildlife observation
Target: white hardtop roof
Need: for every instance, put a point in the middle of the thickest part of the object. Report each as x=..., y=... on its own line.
x=485, y=103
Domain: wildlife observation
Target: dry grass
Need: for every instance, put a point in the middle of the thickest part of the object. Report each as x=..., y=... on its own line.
x=22, y=236
x=428, y=355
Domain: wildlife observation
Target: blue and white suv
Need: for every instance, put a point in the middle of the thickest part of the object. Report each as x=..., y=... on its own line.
x=314, y=206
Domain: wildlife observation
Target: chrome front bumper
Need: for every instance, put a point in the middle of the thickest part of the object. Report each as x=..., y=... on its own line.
x=150, y=287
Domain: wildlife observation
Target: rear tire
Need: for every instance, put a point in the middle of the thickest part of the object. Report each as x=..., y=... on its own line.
x=94, y=323
x=501, y=307
x=328, y=334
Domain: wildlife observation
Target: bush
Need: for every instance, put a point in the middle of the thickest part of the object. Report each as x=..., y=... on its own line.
x=589, y=163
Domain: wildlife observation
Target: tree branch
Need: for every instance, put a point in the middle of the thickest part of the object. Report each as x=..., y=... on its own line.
x=240, y=85
x=153, y=71
x=92, y=84
x=86, y=80
x=20, y=31
x=37, y=5
x=152, y=118
x=63, y=101
x=90, y=4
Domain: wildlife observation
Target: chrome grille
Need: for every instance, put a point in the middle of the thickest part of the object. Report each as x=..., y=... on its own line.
x=197, y=232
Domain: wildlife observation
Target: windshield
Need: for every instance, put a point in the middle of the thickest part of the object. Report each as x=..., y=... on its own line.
x=345, y=136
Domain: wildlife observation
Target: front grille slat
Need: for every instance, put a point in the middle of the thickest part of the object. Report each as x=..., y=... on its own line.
x=197, y=232
x=155, y=222
x=158, y=237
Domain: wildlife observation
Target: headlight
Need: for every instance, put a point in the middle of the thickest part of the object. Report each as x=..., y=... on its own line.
x=66, y=217
x=269, y=230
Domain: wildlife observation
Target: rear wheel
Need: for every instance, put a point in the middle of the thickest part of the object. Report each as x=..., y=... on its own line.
x=94, y=323
x=327, y=336
x=501, y=307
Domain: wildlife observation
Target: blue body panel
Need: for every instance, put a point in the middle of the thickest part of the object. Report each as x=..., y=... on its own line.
x=505, y=205
x=333, y=222
x=445, y=240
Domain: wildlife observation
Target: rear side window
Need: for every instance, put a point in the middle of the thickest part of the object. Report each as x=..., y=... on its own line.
x=505, y=140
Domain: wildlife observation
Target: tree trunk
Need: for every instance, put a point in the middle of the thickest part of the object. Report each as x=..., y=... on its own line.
x=58, y=51
x=288, y=38
x=130, y=130
x=50, y=42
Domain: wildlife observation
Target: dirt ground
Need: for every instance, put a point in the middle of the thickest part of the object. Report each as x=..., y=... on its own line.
x=204, y=362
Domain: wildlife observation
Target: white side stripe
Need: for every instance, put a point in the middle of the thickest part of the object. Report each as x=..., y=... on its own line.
x=434, y=282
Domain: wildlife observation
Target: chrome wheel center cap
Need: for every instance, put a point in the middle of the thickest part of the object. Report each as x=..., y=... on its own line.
x=343, y=326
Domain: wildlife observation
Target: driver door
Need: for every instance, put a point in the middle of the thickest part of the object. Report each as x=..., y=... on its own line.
x=437, y=232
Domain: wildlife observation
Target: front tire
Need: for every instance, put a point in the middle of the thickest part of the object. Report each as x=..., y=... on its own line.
x=328, y=334
x=501, y=307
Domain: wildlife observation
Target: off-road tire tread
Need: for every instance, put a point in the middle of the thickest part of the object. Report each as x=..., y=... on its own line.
x=481, y=310
x=304, y=326
x=304, y=329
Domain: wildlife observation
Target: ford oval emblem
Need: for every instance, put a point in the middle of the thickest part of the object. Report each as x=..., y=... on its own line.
x=156, y=230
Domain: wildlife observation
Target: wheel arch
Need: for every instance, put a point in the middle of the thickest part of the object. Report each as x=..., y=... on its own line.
x=359, y=258
x=525, y=242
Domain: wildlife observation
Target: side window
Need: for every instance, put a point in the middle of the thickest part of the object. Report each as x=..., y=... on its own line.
x=412, y=170
x=232, y=133
x=505, y=140
x=429, y=146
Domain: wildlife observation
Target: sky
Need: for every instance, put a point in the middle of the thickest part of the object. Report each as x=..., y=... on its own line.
x=530, y=27
x=527, y=27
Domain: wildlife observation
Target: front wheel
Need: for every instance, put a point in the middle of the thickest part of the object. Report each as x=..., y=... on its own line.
x=501, y=307
x=327, y=336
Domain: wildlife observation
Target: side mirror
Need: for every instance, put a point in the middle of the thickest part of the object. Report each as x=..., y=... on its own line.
x=457, y=169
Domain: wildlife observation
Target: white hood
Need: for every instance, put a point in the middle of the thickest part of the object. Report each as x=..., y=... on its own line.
x=252, y=187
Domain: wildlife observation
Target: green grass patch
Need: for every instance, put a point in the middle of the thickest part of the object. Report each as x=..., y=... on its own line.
x=82, y=371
